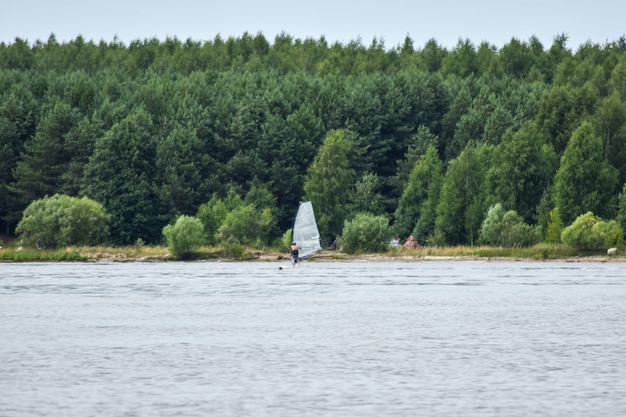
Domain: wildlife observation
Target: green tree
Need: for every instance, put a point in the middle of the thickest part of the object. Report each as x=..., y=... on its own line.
x=185, y=236
x=507, y=229
x=366, y=233
x=179, y=161
x=61, y=220
x=590, y=232
x=523, y=166
x=461, y=203
x=329, y=182
x=45, y=157
x=212, y=215
x=417, y=207
x=420, y=143
x=621, y=210
x=585, y=181
x=367, y=199
x=121, y=175
x=555, y=227
x=248, y=225
x=610, y=124
x=17, y=123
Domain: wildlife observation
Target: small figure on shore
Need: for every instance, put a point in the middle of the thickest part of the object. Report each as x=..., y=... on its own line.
x=411, y=243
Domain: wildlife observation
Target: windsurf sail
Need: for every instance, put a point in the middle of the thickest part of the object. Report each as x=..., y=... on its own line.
x=305, y=232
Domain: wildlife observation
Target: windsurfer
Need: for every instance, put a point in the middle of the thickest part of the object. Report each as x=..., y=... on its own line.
x=294, y=254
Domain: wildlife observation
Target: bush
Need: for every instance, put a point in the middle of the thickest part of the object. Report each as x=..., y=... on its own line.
x=610, y=233
x=366, y=233
x=184, y=237
x=555, y=227
x=247, y=225
x=61, y=220
x=507, y=229
x=589, y=232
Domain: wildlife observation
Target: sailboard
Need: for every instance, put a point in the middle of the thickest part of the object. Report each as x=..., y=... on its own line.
x=305, y=232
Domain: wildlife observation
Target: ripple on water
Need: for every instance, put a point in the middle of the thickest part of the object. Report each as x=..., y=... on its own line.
x=327, y=338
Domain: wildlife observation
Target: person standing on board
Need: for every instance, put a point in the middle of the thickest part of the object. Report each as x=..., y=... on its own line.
x=294, y=254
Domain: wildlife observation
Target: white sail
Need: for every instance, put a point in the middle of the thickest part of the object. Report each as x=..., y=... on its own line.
x=305, y=232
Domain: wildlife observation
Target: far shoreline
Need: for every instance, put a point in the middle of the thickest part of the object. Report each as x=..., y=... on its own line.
x=542, y=253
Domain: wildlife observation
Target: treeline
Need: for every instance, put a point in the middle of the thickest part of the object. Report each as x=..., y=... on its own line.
x=429, y=137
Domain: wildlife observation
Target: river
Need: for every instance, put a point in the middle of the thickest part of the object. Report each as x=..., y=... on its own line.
x=426, y=338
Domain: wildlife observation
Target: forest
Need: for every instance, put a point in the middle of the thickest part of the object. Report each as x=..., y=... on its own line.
x=432, y=138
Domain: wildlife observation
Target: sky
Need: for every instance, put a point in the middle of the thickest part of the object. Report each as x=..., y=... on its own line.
x=389, y=21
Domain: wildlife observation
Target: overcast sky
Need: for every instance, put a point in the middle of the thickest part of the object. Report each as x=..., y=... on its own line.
x=494, y=21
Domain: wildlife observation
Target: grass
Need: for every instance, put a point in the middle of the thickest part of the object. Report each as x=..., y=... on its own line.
x=537, y=252
x=236, y=252
x=36, y=255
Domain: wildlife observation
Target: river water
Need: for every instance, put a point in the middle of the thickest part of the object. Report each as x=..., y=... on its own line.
x=427, y=338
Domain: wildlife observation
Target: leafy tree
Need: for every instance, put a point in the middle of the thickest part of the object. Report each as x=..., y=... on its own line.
x=61, y=220
x=185, y=236
x=610, y=233
x=417, y=207
x=507, y=229
x=329, y=182
x=45, y=157
x=610, y=124
x=178, y=163
x=516, y=58
x=585, y=181
x=418, y=147
x=523, y=166
x=247, y=225
x=589, y=232
x=460, y=209
x=558, y=117
x=17, y=123
x=461, y=61
x=555, y=227
x=458, y=109
x=366, y=233
x=621, y=210
x=121, y=175
x=212, y=215
x=367, y=199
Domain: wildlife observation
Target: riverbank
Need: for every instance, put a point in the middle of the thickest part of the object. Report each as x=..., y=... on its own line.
x=239, y=253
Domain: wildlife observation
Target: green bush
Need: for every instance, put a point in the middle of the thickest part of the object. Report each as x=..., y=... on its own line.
x=61, y=220
x=366, y=233
x=507, y=229
x=212, y=214
x=555, y=227
x=589, y=232
x=185, y=236
x=247, y=225
x=610, y=233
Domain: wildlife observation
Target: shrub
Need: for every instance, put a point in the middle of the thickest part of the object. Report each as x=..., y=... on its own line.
x=185, y=236
x=555, y=227
x=61, y=220
x=247, y=225
x=610, y=233
x=366, y=233
x=212, y=214
x=589, y=232
x=507, y=229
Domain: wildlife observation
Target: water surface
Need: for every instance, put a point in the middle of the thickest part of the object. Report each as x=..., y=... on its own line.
x=436, y=338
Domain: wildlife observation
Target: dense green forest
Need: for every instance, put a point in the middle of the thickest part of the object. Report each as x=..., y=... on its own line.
x=427, y=136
